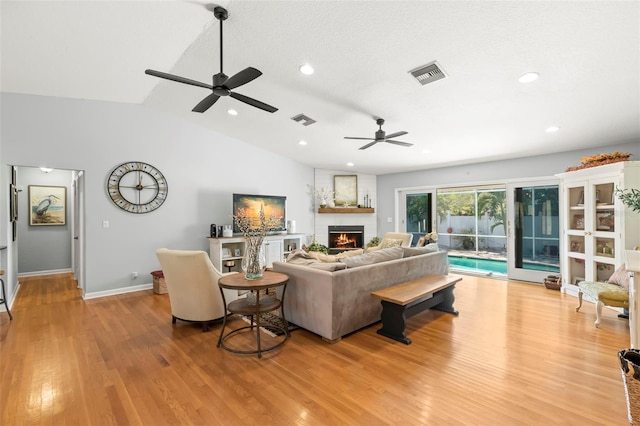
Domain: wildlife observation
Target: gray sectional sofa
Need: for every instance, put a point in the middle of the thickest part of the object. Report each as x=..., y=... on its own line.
x=334, y=299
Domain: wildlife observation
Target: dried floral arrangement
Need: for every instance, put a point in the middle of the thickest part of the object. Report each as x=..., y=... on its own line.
x=322, y=195
x=600, y=159
x=254, y=231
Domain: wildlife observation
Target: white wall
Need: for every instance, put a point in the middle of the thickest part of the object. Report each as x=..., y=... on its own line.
x=488, y=172
x=203, y=168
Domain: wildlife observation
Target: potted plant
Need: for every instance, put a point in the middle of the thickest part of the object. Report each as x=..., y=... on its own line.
x=629, y=197
x=316, y=246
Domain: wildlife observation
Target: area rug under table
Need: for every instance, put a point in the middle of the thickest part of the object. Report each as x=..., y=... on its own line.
x=268, y=322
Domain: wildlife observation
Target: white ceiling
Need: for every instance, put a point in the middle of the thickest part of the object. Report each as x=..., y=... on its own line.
x=587, y=54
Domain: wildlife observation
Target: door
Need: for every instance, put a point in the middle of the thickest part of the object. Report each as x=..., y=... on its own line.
x=533, y=230
x=78, y=230
x=417, y=212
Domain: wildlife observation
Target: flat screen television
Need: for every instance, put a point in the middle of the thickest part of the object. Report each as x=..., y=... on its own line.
x=274, y=206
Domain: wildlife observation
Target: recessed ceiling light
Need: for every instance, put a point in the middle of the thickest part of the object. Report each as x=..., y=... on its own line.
x=552, y=129
x=306, y=69
x=426, y=151
x=46, y=169
x=350, y=164
x=302, y=142
x=232, y=112
x=528, y=77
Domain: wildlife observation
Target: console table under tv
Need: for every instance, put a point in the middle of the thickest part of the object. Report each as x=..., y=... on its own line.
x=226, y=252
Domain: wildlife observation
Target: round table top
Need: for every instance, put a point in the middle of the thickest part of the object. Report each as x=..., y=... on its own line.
x=239, y=282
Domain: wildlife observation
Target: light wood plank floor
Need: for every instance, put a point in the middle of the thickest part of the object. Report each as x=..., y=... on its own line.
x=518, y=354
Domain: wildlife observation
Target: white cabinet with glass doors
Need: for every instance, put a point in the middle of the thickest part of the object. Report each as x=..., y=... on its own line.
x=597, y=226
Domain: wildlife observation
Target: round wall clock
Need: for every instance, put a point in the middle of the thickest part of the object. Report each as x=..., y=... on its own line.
x=137, y=187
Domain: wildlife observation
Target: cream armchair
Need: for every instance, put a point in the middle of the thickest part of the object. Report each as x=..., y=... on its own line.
x=391, y=239
x=192, y=284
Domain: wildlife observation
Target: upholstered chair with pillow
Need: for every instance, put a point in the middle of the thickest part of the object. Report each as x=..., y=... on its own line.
x=615, y=292
x=393, y=239
x=192, y=284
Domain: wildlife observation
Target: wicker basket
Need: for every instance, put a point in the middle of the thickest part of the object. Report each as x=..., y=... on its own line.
x=630, y=367
x=159, y=284
x=553, y=282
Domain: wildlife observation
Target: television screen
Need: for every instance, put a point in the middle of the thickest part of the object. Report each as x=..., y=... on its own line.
x=274, y=206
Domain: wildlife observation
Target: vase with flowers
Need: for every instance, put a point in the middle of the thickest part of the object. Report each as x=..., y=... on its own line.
x=324, y=196
x=254, y=230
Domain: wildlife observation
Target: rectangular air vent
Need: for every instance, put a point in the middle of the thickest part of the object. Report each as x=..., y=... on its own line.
x=304, y=119
x=428, y=73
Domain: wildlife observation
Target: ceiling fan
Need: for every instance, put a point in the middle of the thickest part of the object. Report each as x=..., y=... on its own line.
x=381, y=137
x=222, y=84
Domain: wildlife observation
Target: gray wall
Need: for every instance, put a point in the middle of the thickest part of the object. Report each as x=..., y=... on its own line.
x=488, y=172
x=43, y=248
x=94, y=137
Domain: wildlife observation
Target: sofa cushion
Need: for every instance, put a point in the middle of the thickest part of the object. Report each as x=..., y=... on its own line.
x=606, y=292
x=377, y=256
x=328, y=266
x=415, y=251
x=620, y=277
x=349, y=253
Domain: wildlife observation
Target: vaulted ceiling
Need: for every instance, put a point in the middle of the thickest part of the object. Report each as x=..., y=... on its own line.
x=587, y=54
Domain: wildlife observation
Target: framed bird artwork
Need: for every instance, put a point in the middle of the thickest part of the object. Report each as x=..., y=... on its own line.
x=47, y=205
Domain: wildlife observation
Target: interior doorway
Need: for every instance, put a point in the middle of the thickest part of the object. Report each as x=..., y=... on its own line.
x=46, y=247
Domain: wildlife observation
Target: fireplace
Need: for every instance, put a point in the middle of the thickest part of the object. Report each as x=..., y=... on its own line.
x=345, y=237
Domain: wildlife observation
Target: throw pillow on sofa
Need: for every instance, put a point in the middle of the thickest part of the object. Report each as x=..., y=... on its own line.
x=390, y=242
x=377, y=256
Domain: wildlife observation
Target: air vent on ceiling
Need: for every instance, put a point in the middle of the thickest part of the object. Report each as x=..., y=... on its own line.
x=428, y=73
x=305, y=120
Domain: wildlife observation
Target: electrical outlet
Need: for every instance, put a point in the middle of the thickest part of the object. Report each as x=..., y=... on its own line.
x=134, y=275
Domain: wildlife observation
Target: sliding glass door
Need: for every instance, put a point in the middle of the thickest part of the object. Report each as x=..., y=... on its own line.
x=471, y=227
x=497, y=230
x=534, y=231
x=416, y=209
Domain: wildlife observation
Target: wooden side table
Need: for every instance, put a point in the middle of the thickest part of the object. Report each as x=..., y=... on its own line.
x=261, y=305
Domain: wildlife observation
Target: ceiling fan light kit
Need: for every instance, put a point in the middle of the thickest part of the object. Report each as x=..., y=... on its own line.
x=381, y=136
x=222, y=84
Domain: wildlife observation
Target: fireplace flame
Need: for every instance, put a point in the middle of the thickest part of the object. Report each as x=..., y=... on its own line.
x=345, y=241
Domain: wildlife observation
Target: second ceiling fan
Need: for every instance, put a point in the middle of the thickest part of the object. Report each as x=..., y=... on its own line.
x=381, y=136
x=222, y=84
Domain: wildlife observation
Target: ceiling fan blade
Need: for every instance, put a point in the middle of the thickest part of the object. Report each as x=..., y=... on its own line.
x=206, y=103
x=362, y=139
x=399, y=143
x=243, y=77
x=368, y=145
x=253, y=102
x=178, y=79
x=396, y=134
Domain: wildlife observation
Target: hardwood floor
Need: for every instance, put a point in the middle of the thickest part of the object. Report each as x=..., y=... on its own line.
x=518, y=354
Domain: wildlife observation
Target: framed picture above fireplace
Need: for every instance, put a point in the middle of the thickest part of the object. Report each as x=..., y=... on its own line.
x=346, y=190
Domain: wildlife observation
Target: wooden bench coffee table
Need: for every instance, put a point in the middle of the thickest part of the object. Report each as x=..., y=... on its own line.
x=412, y=297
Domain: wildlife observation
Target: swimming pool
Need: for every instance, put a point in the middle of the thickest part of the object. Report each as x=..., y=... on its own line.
x=493, y=266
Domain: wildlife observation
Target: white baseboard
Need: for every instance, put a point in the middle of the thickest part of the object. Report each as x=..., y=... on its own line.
x=50, y=272
x=121, y=290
